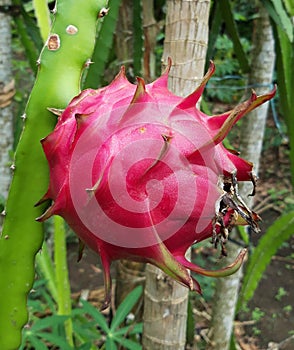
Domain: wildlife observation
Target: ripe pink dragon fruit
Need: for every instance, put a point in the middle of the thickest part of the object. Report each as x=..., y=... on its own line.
x=140, y=173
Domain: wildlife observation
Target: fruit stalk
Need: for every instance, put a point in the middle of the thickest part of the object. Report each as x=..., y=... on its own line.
x=63, y=58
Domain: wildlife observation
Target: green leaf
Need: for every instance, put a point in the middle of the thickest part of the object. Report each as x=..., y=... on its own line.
x=83, y=327
x=127, y=343
x=45, y=267
x=43, y=17
x=130, y=330
x=278, y=14
x=243, y=233
x=125, y=307
x=190, y=324
x=279, y=232
x=289, y=4
x=103, y=46
x=32, y=29
x=24, y=28
x=110, y=344
x=232, y=31
x=284, y=70
x=55, y=340
x=87, y=331
x=85, y=346
x=48, y=322
x=285, y=79
x=96, y=314
x=215, y=21
x=36, y=343
x=49, y=302
x=79, y=311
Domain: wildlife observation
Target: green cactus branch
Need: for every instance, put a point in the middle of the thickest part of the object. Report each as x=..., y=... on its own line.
x=43, y=17
x=60, y=65
x=103, y=47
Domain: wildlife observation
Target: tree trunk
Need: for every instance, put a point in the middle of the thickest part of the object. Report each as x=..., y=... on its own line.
x=124, y=34
x=261, y=75
x=150, y=28
x=6, y=94
x=165, y=302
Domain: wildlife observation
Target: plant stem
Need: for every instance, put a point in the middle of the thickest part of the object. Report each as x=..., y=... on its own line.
x=43, y=17
x=45, y=266
x=62, y=279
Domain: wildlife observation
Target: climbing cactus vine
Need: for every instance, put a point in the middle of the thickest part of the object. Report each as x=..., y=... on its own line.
x=64, y=56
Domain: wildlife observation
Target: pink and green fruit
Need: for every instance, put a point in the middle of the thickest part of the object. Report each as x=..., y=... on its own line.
x=140, y=173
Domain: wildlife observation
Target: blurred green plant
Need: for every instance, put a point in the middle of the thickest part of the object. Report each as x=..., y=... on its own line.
x=280, y=293
x=103, y=46
x=226, y=85
x=202, y=256
x=280, y=231
x=121, y=331
x=282, y=14
x=257, y=314
x=91, y=328
x=282, y=199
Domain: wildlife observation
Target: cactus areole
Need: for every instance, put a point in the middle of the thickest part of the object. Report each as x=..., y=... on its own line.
x=140, y=173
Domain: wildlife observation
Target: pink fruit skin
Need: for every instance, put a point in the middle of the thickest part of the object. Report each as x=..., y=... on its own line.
x=156, y=171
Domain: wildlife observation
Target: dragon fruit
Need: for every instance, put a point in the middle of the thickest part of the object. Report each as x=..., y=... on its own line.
x=140, y=173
